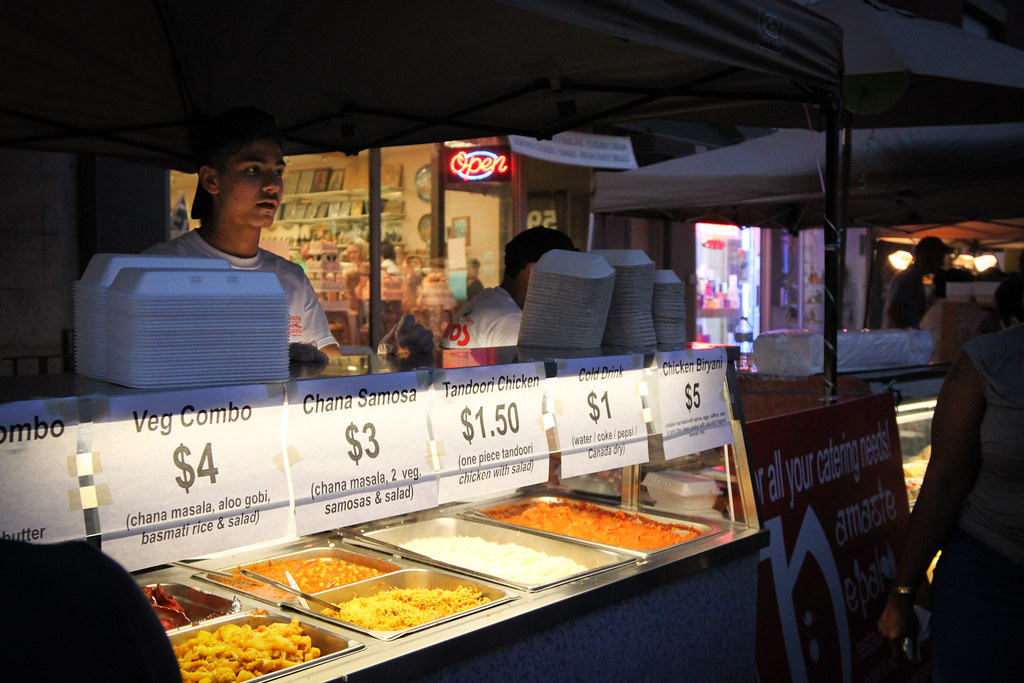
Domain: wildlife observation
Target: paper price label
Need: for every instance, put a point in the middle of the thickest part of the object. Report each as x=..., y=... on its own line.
x=600, y=414
x=191, y=472
x=489, y=429
x=358, y=449
x=692, y=408
x=42, y=481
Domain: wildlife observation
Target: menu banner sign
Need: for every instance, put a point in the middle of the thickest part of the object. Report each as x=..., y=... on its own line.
x=601, y=414
x=489, y=429
x=833, y=496
x=357, y=449
x=692, y=411
x=46, y=489
x=190, y=472
x=579, y=149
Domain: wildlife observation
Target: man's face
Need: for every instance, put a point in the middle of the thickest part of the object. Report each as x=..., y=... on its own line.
x=247, y=192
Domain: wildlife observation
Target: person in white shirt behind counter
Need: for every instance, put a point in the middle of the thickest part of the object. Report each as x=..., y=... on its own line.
x=241, y=167
x=493, y=316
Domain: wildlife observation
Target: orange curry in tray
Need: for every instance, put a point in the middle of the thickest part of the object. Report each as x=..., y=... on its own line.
x=592, y=523
x=311, y=574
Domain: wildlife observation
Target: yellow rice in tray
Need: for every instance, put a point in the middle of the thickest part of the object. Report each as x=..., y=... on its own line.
x=400, y=608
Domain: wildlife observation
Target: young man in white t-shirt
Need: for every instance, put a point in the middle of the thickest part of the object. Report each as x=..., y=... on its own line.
x=241, y=166
x=493, y=316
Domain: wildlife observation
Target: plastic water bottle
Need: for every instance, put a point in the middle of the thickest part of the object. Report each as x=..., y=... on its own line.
x=744, y=335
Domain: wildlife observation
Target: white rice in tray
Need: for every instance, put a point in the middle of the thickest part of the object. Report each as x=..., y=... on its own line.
x=507, y=560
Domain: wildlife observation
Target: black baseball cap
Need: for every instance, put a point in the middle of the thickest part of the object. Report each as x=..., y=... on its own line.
x=216, y=139
x=529, y=245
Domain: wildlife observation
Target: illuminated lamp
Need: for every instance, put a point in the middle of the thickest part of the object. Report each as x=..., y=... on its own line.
x=984, y=262
x=965, y=261
x=901, y=259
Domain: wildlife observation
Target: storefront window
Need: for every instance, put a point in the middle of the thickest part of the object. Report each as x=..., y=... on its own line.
x=728, y=280
x=435, y=251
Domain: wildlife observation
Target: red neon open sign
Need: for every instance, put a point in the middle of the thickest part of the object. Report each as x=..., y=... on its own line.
x=479, y=164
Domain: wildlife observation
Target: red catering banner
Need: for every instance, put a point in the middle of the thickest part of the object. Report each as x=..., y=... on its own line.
x=834, y=499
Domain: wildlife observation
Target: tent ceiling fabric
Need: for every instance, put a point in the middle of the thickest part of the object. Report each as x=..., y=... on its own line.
x=922, y=178
x=125, y=77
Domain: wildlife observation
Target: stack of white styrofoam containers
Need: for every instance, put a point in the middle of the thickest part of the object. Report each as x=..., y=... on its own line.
x=90, y=302
x=179, y=321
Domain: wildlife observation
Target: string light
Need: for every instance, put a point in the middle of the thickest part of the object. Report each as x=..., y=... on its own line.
x=900, y=259
x=984, y=262
x=965, y=261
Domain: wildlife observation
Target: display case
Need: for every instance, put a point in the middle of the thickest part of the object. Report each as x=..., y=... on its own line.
x=915, y=392
x=728, y=276
x=183, y=486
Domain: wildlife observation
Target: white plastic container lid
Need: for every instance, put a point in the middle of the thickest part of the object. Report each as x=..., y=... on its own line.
x=574, y=264
x=662, y=277
x=181, y=284
x=103, y=268
x=680, y=484
x=624, y=257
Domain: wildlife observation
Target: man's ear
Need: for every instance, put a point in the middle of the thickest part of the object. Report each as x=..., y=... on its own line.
x=208, y=179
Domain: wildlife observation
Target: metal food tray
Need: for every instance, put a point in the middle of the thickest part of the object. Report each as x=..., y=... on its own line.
x=198, y=605
x=394, y=537
x=706, y=527
x=406, y=578
x=331, y=645
x=330, y=551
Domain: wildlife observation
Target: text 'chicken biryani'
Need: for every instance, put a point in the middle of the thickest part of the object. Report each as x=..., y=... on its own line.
x=240, y=652
x=400, y=608
x=592, y=523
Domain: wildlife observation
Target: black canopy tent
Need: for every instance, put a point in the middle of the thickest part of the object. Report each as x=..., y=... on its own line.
x=130, y=78
x=127, y=77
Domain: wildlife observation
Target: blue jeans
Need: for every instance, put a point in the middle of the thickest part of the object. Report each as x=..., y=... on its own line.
x=977, y=603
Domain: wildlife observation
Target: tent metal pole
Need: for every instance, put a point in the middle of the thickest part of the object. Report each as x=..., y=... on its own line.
x=833, y=243
x=376, y=309
x=844, y=212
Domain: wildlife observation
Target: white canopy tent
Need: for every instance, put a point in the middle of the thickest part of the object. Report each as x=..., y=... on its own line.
x=950, y=181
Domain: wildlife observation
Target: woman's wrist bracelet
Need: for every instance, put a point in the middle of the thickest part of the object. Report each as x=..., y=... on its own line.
x=903, y=590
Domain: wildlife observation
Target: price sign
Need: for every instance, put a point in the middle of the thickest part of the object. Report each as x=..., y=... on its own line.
x=600, y=413
x=489, y=429
x=358, y=447
x=44, y=484
x=692, y=410
x=190, y=473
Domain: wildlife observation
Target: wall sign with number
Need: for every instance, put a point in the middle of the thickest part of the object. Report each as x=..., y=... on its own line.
x=190, y=472
x=358, y=449
x=692, y=408
x=600, y=413
x=489, y=430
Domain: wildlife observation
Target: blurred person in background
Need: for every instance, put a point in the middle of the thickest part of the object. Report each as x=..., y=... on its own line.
x=473, y=284
x=908, y=301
